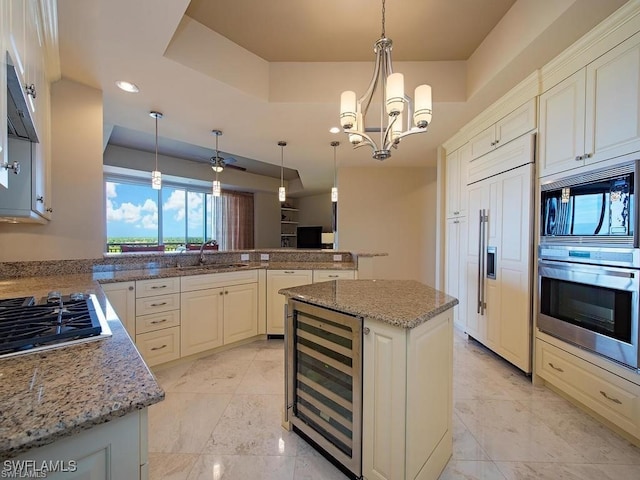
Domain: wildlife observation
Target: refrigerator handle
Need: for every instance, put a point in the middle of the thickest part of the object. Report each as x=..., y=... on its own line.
x=484, y=267
x=479, y=305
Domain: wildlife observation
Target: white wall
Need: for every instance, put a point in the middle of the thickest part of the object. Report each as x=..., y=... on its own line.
x=390, y=210
x=316, y=210
x=77, y=228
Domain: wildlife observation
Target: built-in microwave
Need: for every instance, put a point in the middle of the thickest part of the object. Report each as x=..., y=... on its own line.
x=597, y=208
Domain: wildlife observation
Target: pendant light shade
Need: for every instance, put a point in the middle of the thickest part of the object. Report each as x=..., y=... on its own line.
x=282, y=193
x=217, y=164
x=156, y=176
x=334, y=189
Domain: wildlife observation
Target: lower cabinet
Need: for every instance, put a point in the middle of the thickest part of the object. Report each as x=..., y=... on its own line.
x=327, y=275
x=407, y=403
x=122, y=297
x=218, y=309
x=606, y=393
x=201, y=312
x=276, y=280
x=112, y=450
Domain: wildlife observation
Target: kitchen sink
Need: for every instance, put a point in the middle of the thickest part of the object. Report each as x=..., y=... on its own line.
x=212, y=266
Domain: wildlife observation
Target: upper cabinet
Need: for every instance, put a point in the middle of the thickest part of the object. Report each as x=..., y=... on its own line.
x=456, y=178
x=517, y=123
x=594, y=114
x=31, y=43
x=4, y=26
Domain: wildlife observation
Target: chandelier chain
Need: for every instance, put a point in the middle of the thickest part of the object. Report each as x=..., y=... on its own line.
x=383, y=15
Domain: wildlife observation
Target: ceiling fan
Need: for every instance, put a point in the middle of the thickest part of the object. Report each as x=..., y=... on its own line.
x=219, y=163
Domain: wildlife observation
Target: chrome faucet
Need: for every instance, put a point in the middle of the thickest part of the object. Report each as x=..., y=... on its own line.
x=205, y=243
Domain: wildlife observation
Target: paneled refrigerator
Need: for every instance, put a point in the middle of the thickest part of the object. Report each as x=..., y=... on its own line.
x=499, y=251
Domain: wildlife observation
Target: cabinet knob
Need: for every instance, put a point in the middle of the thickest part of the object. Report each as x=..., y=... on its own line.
x=493, y=143
x=497, y=141
x=456, y=213
x=221, y=292
x=130, y=289
x=579, y=157
x=30, y=90
x=588, y=155
x=366, y=330
x=15, y=166
x=226, y=292
x=50, y=210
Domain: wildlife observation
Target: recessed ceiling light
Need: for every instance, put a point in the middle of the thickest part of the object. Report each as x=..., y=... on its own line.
x=334, y=130
x=127, y=86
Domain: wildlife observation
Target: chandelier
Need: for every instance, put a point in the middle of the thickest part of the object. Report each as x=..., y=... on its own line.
x=394, y=103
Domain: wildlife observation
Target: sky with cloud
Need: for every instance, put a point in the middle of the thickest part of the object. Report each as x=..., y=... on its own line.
x=132, y=211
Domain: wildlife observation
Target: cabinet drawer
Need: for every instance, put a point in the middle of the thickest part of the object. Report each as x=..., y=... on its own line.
x=607, y=394
x=326, y=275
x=157, y=321
x=159, y=346
x=160, y=303
x=215, y=280
x=159, y=286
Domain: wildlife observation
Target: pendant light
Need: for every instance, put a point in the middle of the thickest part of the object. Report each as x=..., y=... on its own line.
x=217, y=164
x=282, y=193
x=334, y=189
x=156, y=176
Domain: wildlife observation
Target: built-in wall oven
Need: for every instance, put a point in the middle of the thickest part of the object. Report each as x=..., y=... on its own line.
x=589, y=262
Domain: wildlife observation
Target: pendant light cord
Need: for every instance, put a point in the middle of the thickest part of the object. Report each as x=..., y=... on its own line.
x=383, y=15
x=156, y=142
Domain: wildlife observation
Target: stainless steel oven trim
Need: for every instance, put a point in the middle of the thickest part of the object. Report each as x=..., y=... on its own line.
x=609, y=277
x=353, y=463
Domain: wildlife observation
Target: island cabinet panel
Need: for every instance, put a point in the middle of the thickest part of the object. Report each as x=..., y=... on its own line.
x=113, y=450
x=407, y=399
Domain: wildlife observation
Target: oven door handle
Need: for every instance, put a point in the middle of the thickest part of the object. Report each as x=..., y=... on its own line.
x=548, y=267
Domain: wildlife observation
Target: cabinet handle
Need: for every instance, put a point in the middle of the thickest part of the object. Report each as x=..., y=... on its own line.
x=579, y=157
x=333, y=276
x=289, y=271
x=31, y=90
x=366, y=330
x=159, y=348
x=50, y=210
x=156, y=322
x=130, y=289
x=40, y=199
x=456, y=221
x=557, y=368
x=456, y=213
x=158, y=304
x=611, y=399
x=155, y=287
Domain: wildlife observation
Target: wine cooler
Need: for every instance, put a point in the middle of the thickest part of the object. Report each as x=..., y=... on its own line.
x=323, y=398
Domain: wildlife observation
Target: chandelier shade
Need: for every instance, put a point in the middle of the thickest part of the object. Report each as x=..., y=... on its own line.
x=395, y=105
x=217, y=164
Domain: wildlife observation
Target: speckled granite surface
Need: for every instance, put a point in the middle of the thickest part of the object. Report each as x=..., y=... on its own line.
x=52, y=394
x=402, y=303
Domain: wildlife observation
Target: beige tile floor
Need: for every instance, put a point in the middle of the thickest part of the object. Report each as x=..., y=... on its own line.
x=221, y=421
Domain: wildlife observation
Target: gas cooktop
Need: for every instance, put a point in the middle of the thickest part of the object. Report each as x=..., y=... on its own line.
x=27, y=326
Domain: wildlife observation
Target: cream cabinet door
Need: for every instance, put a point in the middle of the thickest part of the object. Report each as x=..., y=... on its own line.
x=240, y=312
x=201, y=320
x=455, y=235
x=122, y=297
x=613, y=103
x=276, y=280
x=456, y=181
x=562, y=126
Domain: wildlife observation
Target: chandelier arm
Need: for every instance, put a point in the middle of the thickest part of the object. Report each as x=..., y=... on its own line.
x=366, y=98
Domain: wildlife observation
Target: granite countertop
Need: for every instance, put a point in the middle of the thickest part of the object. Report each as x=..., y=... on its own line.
x=402, y=303
x=112, y=276
x=56, y=393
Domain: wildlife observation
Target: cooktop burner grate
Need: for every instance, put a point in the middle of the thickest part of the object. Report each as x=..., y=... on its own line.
x=27, y=327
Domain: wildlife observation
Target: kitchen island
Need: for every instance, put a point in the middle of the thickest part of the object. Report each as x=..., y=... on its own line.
x=402, y=343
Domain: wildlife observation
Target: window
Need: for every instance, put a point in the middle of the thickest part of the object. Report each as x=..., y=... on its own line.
x=178, y=215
